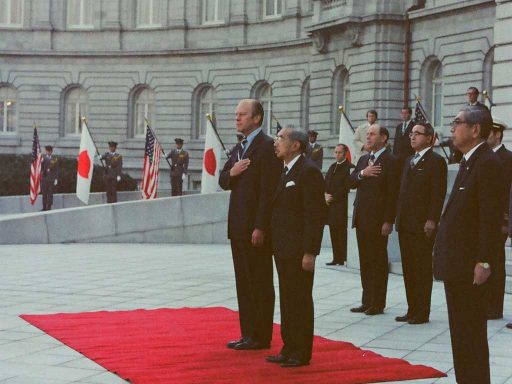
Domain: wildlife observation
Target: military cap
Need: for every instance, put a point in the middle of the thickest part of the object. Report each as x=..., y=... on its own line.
x=313, y=133
x=112, y=144
x=48, y=147
x=498, y=124
x=178, y=140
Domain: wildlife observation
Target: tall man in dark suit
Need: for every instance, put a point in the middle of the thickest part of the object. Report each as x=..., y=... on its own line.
x=497, y=280
x=298, y=216
x=419, y=206
x=114, y=167
x=336, y=198
x=179, y=167
x=402, y=146
x=376, y=180
x=314, y=151
x=49, y=177
x=252, y=173
x=472, y=97
x=469, y=241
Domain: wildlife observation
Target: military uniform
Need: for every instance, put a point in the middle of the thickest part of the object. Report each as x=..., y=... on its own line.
x=314, y=151
x=179, y=166
x=114, y=167
x=49, y=177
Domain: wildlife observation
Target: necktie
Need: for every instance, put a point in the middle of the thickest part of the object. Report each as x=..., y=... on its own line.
x=243, y=143
x=460, y=174
x=413, y=160
x=371, y=160
x=283, y=175
x=404, y=127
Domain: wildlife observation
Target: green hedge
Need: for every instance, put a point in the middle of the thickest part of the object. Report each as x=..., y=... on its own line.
x=15, y=173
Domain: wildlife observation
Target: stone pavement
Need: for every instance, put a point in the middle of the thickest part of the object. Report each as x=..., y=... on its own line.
x=89, y=277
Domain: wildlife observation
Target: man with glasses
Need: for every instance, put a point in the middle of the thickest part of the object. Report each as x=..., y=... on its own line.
x=251, y=174
x=420, y=201
x=469, y=241
x=376, y=180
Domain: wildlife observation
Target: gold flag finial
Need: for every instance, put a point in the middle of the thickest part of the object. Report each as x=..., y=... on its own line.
x=418, y=98
x=485, y=93
x=341, y=109
x=34, y=125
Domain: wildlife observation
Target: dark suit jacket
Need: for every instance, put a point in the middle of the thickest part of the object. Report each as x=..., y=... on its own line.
x=337, y=184
x=506, y=160
x=316, y=154
x=422, y=192
x=298, y=211
x=375, y=202
x=402, y=145
x=469, y=231
x=249, y=202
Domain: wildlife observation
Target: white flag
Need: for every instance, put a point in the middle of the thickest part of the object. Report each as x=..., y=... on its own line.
x=211, y=160
x=85, y=165
x=347, y=135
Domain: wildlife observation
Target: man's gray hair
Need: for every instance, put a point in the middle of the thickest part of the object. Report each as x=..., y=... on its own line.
x=477, y=114
x=299, y=135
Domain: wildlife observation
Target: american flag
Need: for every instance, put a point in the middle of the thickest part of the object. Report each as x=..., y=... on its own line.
x=35, y=169
x=150, y=169
x=420, y=116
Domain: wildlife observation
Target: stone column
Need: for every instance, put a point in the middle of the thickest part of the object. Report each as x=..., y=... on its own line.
x=501, y=80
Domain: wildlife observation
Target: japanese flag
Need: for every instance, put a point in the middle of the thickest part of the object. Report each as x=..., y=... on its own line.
x=85, y=164
x=211, y=160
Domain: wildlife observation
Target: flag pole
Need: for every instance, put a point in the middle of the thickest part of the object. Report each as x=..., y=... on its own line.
x=209, y=117
x=34, y=125
x=486, y=96
x=84, y=120
x=278, y=126
x=342, y=111
x=161, y=149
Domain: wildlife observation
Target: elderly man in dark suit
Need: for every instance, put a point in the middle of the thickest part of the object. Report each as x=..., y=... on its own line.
x=497, y=280
x=314, y=151
x=402, y=146
x=468, y=243
x=298, y=216
x=336, y=198
x=420, y=201
x=49, y=177
x=376, y=179
x=251, y=174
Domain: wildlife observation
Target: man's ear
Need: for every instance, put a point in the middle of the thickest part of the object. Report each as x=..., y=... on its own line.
x=476, y=130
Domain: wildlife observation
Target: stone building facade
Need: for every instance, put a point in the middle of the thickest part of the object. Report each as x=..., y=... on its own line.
x=117, y=62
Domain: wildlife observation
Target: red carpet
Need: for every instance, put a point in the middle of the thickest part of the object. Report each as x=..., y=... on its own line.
x=188, y=346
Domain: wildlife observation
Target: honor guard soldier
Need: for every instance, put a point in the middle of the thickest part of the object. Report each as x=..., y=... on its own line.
x=314, y=151
x=49, y=177
x=114, y=166
x=179, y=166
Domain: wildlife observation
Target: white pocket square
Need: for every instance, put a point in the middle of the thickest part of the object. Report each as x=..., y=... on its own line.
x=290, y=184
x=462, y=188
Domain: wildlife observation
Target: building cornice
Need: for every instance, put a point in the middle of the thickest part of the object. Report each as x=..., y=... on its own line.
x=449, y=8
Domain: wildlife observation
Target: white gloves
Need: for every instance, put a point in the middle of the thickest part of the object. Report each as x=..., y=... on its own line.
x=55, y=182
x=118, y=178
x=183, y=177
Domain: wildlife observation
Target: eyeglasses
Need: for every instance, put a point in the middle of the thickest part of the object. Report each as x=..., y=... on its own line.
x=456, y=122
x=414, y=134
x=278, y=139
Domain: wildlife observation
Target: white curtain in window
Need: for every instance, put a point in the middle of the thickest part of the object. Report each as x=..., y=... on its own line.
x=147, y=12
x=11, y=12
x=8, y=103
x=79, y=13
x=212, y=10
x=76, y=108
x=272, y=7
x=437, y=96
x=206, y=105
x=265, y=99
x=144, y=109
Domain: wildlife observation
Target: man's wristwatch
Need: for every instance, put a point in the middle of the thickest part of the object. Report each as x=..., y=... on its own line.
x=484, y=265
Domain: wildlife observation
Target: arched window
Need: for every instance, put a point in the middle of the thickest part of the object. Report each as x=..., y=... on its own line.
x=76, y=106
x=262, y=91
x=11, y=13
x=304, y=104
x=432, y=90
x=203, y=103
x=143, y=109
x=487, y=73
x=79, y=14
x=341, y=96
x=8, y=104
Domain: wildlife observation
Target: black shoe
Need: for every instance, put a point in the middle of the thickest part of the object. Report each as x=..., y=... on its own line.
x=509, y=325
x=232, y=344
x=292, y=363
x=418, y=320
x=279, y=358
x=403, y=318
x=250, y=344
x=332, y=263
x=373, y=311
x=360, y=309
